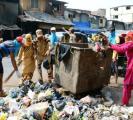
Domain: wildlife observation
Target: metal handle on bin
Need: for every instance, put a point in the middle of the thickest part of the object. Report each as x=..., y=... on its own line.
x=71, y=51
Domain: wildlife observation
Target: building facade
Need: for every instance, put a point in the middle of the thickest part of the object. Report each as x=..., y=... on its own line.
x=122, y=13
x=42, y=14
x=98, y=18
x=53, y=7
x=77, y=15
x=85, y=20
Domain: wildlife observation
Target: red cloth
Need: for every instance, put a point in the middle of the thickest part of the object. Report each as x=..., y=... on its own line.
x=19, y=39
x=123, y=35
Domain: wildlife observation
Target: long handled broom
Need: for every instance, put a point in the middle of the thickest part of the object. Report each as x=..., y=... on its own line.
x=10, y=75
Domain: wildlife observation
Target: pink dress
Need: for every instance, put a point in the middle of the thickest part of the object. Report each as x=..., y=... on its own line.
x=126, y=48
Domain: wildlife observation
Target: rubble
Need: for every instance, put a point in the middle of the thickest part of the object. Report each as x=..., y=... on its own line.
x=35, y=101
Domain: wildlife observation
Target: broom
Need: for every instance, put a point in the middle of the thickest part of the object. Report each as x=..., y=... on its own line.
x=10, y=75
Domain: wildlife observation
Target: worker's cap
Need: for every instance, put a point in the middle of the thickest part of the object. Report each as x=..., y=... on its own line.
x=19, y=39
x=53, y=29
x=38, y=31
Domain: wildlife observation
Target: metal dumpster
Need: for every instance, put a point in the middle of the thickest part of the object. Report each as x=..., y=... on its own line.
x=83, y=69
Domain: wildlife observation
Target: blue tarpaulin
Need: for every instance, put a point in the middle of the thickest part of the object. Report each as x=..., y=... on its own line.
x=85, y=27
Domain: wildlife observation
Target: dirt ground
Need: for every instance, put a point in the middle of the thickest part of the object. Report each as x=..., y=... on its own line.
x=116, y=90
x=113, y=88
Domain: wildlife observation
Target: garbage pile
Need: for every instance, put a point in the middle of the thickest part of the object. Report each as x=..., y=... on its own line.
x=46, y=101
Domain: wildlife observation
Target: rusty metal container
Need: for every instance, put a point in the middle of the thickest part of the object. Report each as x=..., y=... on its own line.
x=83, y=69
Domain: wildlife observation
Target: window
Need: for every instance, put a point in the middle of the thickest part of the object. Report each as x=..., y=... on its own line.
x=58, y=7
x=74, y=16
x=115, y=9
x=128, y=8
x=115, y=16
x=34, y=3
x=101, y=21
x=70, y=16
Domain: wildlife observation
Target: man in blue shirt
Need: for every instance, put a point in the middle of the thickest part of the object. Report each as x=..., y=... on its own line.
x=112, y=36
x=53, y=37
x=114, y=39
x=53, y=42
x=9, y=48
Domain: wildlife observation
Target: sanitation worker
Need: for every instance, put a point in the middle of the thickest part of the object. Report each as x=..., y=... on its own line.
x=41, y=45
x=26, y=55
x=72, y=35
x=53, y=42
x=9, y=48
x=126, y=48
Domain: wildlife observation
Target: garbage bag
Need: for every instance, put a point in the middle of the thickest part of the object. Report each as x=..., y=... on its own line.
x=47, y=62
x=63, y=51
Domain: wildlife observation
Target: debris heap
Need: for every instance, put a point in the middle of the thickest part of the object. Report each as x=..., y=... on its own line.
x=46, y=101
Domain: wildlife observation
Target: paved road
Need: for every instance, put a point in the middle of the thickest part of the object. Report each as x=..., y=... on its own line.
x=14, y=81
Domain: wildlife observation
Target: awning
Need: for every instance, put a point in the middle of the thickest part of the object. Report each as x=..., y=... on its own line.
x=35, y=16
x=81, y=25
x=3, y=27
x=85, y=27
x=12, y=27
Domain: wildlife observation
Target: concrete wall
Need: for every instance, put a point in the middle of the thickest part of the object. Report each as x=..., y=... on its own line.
x=84, y=18
x=26, y=5
x=8, y=10
x=42, y=4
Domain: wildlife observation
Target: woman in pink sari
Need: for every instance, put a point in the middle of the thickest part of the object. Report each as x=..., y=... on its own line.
x=127, y=48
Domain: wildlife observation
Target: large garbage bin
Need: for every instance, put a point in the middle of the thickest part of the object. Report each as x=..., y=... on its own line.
x=83, y=69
